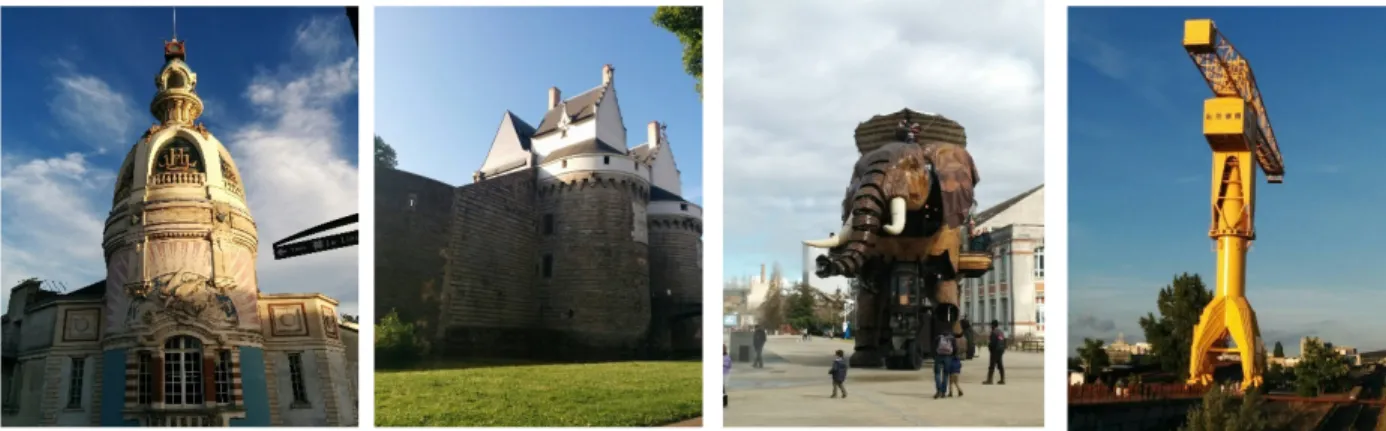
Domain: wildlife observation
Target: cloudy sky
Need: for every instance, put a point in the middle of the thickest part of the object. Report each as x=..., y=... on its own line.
x=280, y=91
x=470, y=97
x=1139, y=170
x=800, y=75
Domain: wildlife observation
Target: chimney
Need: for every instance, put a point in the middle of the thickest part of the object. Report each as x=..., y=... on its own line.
x=653, y=134
x=762, y=273
x=554, y=97
x=608, y=73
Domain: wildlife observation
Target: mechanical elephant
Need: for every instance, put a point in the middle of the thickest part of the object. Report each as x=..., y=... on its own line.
x=902, y=231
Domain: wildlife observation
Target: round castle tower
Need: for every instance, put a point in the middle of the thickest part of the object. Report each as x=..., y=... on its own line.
x=594, y=245
x=676, y=244
x=180, y=246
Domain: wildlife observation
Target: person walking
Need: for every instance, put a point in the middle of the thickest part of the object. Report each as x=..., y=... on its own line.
x=726, y=373
x=996, y=346
x=839, y=373
x=955, y=367
x=758, y=340
x=943, y=361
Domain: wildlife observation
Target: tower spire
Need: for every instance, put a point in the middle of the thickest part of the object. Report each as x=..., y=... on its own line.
x=175, y=23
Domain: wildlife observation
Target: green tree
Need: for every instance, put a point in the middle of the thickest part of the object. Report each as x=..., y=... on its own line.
x=1093, y=355
x=1278, y=377
x=1180, y=305
x=1279, y=351
x=351, y=318
x=384, y=154
x=772, y=310
x=1221, y=411
x=397, y=344
x=686, y=22
x=1320, y=370
x=801, y=306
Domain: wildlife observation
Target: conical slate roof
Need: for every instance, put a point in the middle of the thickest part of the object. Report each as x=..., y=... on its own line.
x=880, y=129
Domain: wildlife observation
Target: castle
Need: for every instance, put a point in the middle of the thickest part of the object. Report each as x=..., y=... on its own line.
x=179, y=333
x=566, y=246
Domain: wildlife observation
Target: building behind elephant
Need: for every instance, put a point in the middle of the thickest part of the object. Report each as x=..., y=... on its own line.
x=567, y=245
x=179, y=333
x=1013, y=291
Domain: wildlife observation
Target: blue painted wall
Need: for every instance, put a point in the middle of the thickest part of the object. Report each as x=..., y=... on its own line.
x=254, y=388
x=113, y=389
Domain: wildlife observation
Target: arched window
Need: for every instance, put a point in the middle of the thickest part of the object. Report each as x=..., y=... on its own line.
x=183, y=371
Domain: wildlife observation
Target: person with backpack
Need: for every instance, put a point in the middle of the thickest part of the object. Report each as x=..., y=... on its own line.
x=955, y=367
x=839, y=373
x=758, y=340
x=996, y=345
x=943, y=360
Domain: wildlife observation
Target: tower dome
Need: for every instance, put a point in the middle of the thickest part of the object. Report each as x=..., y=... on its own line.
x=180, y=242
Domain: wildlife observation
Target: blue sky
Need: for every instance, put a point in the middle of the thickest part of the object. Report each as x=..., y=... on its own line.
x=279, y=89
x=444, y=77
x=1139, y=169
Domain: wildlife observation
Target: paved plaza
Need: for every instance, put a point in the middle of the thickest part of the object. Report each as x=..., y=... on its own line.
x=793, y=390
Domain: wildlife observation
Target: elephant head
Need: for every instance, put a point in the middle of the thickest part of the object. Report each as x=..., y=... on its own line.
x=888, y=185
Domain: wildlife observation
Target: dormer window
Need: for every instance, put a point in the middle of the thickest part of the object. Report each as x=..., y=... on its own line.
x=563, y=122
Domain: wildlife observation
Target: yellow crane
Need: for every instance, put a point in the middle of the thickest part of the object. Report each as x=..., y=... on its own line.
x=1237, y=129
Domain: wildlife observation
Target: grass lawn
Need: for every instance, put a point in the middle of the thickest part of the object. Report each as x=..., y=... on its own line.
x=616, y=394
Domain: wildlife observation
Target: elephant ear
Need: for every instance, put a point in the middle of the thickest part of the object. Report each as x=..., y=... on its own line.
x=957, y=178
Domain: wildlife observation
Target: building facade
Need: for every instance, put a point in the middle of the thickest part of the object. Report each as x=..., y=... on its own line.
x=1013, y=291
x=179, y=333
x=567, y=245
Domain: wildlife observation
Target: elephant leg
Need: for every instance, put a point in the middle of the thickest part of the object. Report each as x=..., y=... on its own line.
x=868, y=352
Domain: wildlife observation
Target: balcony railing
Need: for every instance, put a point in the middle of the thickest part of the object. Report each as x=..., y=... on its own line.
x=182, y=178
x=184, y=420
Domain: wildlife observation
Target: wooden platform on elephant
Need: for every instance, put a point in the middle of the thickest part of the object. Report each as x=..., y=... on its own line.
x=880, y=129
x=974, y=265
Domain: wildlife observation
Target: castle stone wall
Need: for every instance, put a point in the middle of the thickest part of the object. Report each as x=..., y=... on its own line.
x=491, y=305
x=597, y=293
x=409, y=241
x=676, y=281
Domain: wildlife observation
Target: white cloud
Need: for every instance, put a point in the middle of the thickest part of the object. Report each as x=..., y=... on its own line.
x=800, y=76
x=53, y=208
x=292, y=157
x=297, y=176
x=92, y=110
x=319, y=37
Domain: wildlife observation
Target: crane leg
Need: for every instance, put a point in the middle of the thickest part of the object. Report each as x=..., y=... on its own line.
x=1229, y=313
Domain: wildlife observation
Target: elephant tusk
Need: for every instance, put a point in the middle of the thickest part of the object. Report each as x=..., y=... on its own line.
x=833, y=241
x=897, y=216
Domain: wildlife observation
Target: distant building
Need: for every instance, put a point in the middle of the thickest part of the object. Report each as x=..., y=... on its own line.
x=1120, y=352
x=1013, y=291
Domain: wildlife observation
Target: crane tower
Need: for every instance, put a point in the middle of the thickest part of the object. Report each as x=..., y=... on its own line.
x=1238, y=131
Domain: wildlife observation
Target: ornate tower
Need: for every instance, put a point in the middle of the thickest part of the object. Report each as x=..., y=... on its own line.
x=181, y=295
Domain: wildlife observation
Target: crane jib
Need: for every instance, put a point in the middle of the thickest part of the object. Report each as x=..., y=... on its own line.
x=1228, y=74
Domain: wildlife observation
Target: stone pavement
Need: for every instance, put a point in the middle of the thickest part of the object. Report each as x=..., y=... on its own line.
x=793, y=390
x=695, y=423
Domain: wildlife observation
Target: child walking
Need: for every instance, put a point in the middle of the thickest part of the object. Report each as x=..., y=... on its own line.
x=839, y=373
x=955, y=369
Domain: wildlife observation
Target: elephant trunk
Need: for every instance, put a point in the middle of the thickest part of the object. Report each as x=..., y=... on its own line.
x=865, y=207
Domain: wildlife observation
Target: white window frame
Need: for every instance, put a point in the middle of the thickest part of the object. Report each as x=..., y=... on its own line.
x=222, y=378
x=296, y=383
x=183, y=385
x=75, y=381
x=144, y=378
